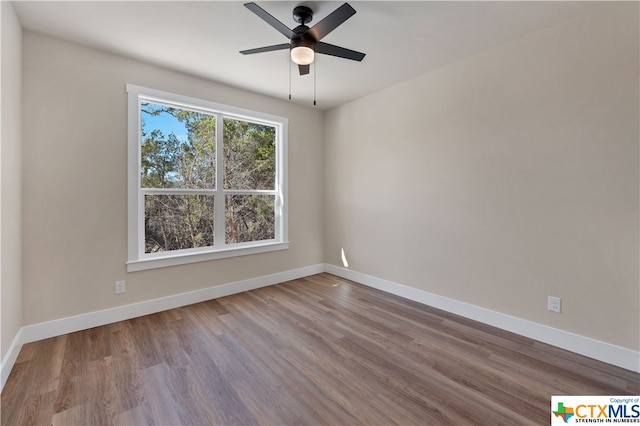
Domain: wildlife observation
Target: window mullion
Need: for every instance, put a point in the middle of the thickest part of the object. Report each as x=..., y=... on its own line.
x=250, y=192
x=219, y=199
x=177, y=191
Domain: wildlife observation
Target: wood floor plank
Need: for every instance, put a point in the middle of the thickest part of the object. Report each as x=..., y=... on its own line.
x=273, y=348
x=318, y=350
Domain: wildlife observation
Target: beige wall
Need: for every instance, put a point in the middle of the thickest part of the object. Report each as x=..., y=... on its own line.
x=75, y=189
x=503, y=178
x=10, y=179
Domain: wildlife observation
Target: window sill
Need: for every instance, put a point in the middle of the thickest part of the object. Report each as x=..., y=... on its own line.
x=186, y=258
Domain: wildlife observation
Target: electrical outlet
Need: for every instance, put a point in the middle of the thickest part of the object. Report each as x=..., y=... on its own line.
x=554, y=304
x=120, y=287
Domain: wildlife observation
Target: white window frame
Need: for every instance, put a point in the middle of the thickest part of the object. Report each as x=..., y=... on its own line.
x=138, y=260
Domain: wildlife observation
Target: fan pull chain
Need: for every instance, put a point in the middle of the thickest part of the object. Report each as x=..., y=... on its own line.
x=315, y=72
x=289, y=63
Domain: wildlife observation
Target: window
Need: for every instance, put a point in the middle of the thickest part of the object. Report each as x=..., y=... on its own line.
x=206, y=181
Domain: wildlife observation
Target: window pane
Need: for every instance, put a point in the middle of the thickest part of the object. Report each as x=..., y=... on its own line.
x=249, y=155
x=249, y=218
x=175, y=222
x=178, y=148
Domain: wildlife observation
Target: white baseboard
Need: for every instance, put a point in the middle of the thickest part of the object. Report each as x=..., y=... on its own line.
x=10, y=359
x=606, y=352
x=602, y=351
x=45, y=330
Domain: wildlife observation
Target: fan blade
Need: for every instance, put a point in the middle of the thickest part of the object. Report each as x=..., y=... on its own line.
x=266, y=49
x=340, y=52
x=265, y=16
x=304, y=69
x=331, y=21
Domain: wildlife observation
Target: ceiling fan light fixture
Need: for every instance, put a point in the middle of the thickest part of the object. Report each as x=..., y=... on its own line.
x=302, y=55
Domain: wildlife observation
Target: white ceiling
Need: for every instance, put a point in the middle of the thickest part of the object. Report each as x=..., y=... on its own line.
x=401, y=39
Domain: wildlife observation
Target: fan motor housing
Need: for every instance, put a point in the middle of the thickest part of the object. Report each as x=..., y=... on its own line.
x=302, y=37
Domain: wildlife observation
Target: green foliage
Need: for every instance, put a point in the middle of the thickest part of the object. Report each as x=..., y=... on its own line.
x=169, y=162
x=249, y=155
x=174, y=222
x=249, y=218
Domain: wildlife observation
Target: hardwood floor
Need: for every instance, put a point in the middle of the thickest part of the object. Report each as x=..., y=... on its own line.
x=318, y=350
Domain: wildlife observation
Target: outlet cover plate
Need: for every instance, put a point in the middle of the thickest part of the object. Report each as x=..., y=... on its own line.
x=554, y=304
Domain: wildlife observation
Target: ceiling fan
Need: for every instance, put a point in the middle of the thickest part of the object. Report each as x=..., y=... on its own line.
x=304, y=42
